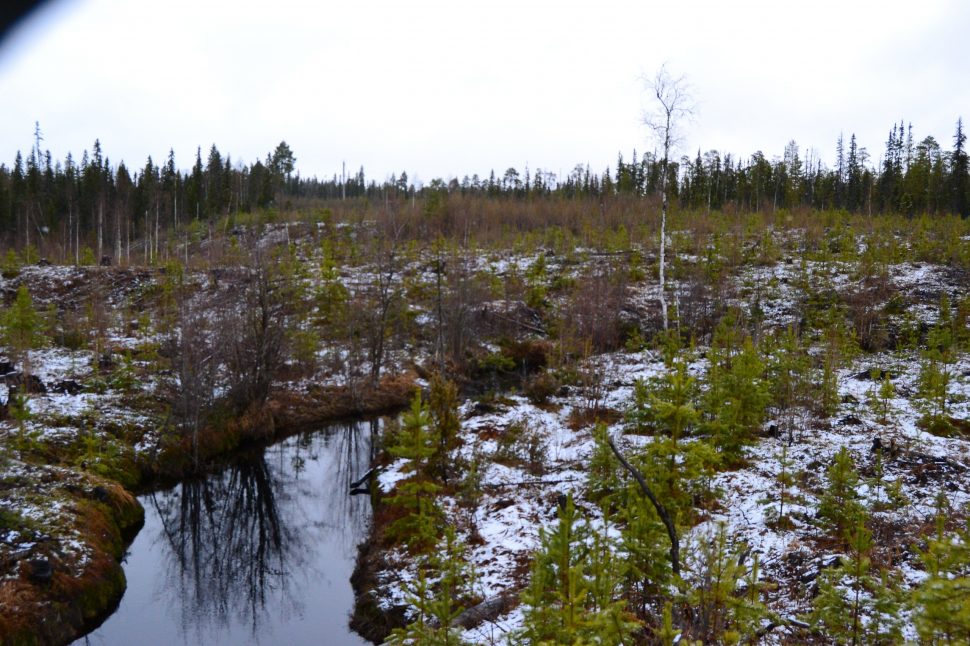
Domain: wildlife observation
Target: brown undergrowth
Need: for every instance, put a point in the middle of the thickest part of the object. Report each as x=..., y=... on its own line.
x=78, y=591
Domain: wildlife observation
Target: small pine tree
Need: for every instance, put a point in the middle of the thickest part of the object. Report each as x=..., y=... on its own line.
x=936, y=373
x=839, y=507
x=789, y=371
x=22, y=331
x=415, y=441
x=573, y=595
x=941, y=604
x=439, y=603
x=736, y=398
x=722, y=614
x=853, y=605
x=785, y=481
x=443, y=409
x=881, y=397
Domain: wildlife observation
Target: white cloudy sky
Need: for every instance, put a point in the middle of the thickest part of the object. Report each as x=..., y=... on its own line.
x=452, y=87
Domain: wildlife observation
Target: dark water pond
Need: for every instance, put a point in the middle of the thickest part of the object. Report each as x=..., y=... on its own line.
x=260, y=553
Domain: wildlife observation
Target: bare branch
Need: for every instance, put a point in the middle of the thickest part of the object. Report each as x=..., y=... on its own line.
x=672, y=106
x=657, y=505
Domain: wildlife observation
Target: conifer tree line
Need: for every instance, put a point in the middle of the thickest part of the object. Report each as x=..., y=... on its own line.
x=92, y=203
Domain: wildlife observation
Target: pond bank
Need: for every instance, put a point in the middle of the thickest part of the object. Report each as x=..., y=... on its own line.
x=96, y=518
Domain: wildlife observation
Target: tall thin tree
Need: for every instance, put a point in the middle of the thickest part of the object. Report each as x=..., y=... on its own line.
x=672, y=105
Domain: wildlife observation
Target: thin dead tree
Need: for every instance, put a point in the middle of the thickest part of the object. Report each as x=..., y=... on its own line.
x=672, y=105
x=658, y=506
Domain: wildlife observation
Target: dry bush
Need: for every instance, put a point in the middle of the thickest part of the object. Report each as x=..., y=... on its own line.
x=866, y=310
x=593, y=312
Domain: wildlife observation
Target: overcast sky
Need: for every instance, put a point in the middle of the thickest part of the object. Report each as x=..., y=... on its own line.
x=444, y=89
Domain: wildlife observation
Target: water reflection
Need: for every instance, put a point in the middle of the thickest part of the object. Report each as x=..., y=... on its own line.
x=230, y=544
x=257, y=552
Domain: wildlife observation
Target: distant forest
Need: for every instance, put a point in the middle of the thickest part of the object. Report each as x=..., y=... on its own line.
x=99, y=208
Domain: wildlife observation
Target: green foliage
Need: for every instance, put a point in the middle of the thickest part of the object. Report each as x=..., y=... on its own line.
x=643, y=538
x=666, y=405
x=496, y=363
x=737, y=394
x=304, y=345
x=855, y=606
x=443, y=410
x=603, y=481
x=838, y=348
x=573, y=595
x=536, y=281
x=785, y=481
x=941, y=604
x=30, y=254
x=419, y=514
x=790, y=375
x=87, y=257
x=124, y=378
x=19, y=408
x=839, y=508
x=331, y=297
x=444, y=584
x=11, y=265
x=725, y=596
x=520, y=445
x=678, y=467
x=415, y=441
x=22, y=328
x=936, y=372
x=881, y=397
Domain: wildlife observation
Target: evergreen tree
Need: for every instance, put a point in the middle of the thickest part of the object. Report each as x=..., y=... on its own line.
x=443, y=410
x=936, y=372
x=960, y=173
x=789, y=371
x=416, y=442
x=941, y=603
x=839, y=507
x=573, y=594
x=723, y=594
x=855, y=606
x=445, y=583
x=737, y=393
x=22, y=331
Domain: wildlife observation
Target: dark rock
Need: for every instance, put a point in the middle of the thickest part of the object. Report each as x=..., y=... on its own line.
x=40, y=570
x=100, y=494
x=15, y=382
x=66, y=387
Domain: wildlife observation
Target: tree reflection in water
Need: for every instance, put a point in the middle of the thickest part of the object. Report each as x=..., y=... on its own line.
x=241, y=544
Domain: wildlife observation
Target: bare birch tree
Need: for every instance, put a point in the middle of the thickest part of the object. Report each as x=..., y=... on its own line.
x=671, y=106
